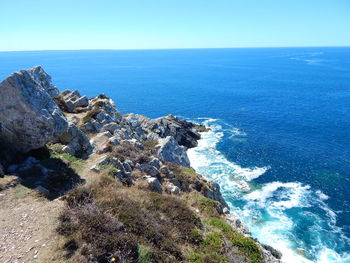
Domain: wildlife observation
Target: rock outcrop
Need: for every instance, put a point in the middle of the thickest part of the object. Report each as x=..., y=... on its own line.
x=75, y=141
x=71, y=100
x=29, y=117
x=184, y=132
x=171, y=151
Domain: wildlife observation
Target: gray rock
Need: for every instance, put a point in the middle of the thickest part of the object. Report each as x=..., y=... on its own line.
x=114, y=140
x=274, y=252
x=73, y=100
x=76, y=141
x=182, y=131
x=148, y=169
x=170, y=151
x=154, y=184
x=214, y=193
x=95, y=168
x=173, y=189
x=81, y=102
x=111, y=127
x=156, y=163
x=40, y=76
x=134, y=143
x=29, y=117
x=127, y=166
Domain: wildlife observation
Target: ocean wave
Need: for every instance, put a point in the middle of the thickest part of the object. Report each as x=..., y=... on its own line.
x=267, y=210
x=293, y=195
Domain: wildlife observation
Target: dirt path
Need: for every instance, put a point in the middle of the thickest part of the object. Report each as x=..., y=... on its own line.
x=28, y=222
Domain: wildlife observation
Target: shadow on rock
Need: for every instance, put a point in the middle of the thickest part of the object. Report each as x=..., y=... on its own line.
x=50, y=176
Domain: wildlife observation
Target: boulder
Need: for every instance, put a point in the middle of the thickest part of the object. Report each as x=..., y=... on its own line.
x=40, y=76
x=72, y=100
x=172, y=189
x=170, y=151
x=156, y=163
x=148, y=169
x=213, y=192
x=77, y=143
x=274, y=252
x=183, y=132
x=154, y=184
x=29, y=117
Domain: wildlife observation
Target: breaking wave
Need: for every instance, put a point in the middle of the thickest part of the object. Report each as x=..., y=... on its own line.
x=290, y=216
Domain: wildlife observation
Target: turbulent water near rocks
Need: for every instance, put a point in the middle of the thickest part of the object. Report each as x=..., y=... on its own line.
x=280, y=139
x=273, y=211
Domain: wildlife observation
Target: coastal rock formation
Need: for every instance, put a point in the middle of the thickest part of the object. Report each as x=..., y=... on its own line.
x=140, y=191
x=183, y=131
x=71, y=100
x=170, y=151
x=75, y=141
x=29, y=117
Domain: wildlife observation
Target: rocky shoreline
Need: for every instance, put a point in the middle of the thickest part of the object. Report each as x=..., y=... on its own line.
x=44, y=131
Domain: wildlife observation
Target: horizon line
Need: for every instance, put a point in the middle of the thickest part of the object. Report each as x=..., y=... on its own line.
x=189, y=48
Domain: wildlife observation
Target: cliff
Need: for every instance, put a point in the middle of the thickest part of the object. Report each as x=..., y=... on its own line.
x=122, y=185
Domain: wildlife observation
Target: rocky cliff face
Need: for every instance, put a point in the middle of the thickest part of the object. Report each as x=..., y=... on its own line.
x=29, y=117
x=146, y=190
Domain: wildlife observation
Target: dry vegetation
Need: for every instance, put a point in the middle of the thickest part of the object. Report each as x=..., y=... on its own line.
x=105, y=220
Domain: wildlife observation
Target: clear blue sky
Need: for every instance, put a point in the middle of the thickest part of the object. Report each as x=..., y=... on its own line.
x=143, y=24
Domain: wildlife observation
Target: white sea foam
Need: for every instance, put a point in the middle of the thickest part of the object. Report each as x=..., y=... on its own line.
x=293, y=195
x=264, y=212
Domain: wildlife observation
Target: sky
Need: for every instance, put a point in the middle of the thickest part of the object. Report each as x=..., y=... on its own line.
x=162, y=24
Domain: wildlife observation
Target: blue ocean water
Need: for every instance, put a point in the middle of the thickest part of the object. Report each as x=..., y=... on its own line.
x=280, y=118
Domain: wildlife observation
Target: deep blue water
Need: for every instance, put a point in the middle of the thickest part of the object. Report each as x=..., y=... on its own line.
x=282, y=113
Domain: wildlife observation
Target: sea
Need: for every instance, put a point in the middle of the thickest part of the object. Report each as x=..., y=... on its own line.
x=279, y=144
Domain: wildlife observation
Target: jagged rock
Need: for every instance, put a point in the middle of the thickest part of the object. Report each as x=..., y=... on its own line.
x=182, y=131
x=134, y=143
x=156, y=163
x=173, y=189
x=274, y=252
x=111, y=127
x=154, y=184
x=44, y=79
x=77, y=143
x=127, y=166
x=72, y=100
x=102, y=112
x=148, y=169
x=114, y=141
x=29, y=116
x=101, y=142
x=213, y=192
x=170, y=151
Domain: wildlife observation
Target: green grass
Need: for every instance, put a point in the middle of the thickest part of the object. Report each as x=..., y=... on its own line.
x=144, y=254
x=246, y=245
x=75, y=163
x=207, y=206
x=213, y=241
x=189, y=171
